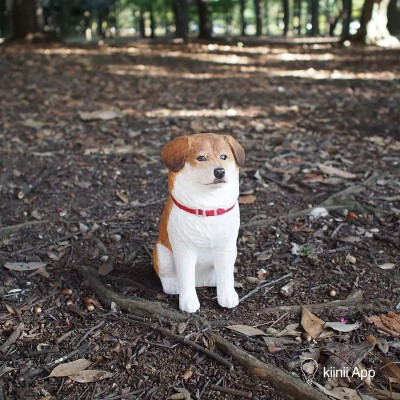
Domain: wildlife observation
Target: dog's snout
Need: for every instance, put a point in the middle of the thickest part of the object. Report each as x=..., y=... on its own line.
x=219, y=173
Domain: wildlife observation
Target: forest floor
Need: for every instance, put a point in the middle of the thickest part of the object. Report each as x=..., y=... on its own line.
x=313, y=119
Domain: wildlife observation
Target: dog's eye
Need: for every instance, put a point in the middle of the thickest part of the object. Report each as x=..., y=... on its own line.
x=201, y=158
x=223, y=157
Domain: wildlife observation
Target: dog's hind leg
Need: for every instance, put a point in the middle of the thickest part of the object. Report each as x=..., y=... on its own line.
x=166, y=269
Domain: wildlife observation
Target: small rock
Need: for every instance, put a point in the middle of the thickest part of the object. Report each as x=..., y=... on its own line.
x=115, y=238
x=288, y=289
x=83, y=227
x=104, y=258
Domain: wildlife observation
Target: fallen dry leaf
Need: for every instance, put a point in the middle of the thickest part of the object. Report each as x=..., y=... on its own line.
x=347, y=356
x=71, y=368
x=23, y=266
x=340, y=393
x=182, y=394
x=389, y=323
x=103, y=115
x=248, y=199
x=329, y=170
x=246, y=330
x=311, y=323
x=187, y=374
x=341, y=326
x=387, y=266
x=105, y=269
x=122, y=196
x=290, y=330
x=91, y=375
x=390, y=369
x=387, y=394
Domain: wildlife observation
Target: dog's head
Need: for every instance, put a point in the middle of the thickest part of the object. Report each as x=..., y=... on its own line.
x=209, y=160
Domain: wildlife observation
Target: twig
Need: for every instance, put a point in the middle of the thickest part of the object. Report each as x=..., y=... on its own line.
x=394, y=241
x=337, y=229
x=8, y=230
x=291, y=188
x=354, y=299
x=90, y=331
x=273, y=323
x=12, y=338
x=180, y=339
x=32, y=186
x=290, y=216
x=148, y=252
x=343, y=197
x=257, y=288
x=37, y=371
x=233, y=392
x=278, y=378
x=62, y=239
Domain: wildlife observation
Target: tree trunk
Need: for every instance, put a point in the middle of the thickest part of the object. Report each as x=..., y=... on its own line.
x=181, y=18
x=266, y=17
x=39, y=20
x=228, y=23
x=24, y=18
x=5, y=19
x=297, y=16
x=315, y=17
x=258, y=5
x=242, y=4
x=348, y=11
x=142, y=25
x=394, y=18
x=286, y=18
x=152, y=23
x=205, y=26
x=100, y=19
x=65, y=11
x=373, y=25
x=333, y=24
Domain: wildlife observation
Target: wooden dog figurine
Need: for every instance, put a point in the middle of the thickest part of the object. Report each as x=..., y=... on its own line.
x=199, y=225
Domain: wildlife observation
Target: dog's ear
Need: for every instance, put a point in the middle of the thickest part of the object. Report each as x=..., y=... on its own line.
x=237, y=150
x=174, y=153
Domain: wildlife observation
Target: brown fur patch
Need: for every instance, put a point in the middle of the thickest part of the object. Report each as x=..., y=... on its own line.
x=174, y=153
x=163, y=233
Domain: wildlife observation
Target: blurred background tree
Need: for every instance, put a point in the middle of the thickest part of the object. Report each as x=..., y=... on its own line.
x=367, y=21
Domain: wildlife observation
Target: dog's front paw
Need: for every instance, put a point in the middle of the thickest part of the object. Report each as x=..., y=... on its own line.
x=228, y=299
x=189, y=303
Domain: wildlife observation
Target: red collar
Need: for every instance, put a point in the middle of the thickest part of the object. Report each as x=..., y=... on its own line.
x=204, y=213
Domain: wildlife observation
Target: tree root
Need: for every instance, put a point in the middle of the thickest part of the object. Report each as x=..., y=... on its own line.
x=279, y=379
x=136, y=306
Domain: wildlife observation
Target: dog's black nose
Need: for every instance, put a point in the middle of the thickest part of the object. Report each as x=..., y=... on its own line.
x=219, y=173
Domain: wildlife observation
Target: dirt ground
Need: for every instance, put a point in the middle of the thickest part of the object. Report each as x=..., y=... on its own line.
x=313, y=119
